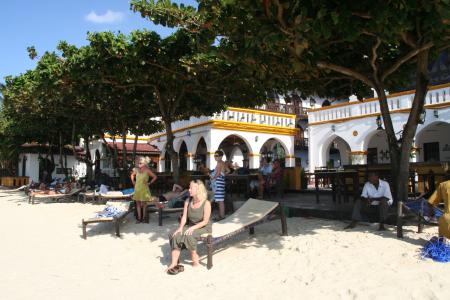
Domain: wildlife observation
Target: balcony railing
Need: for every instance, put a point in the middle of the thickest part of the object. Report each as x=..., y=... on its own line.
x=300, y=142
x=294, y=109
x=435, y=97
x=238, y=115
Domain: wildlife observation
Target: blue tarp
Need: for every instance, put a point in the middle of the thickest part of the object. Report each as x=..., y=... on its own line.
x=422, y=205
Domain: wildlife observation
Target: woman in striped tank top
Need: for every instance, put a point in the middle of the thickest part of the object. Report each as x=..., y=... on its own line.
x=218, y=182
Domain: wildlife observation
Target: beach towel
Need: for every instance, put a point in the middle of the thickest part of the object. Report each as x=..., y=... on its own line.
x=128, y=191
x=110, y=212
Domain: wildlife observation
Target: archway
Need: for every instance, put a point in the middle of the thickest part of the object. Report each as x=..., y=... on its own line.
x=182, y=156
x=236, y=150
x=377, y=148
x=336, y=153
x=433, y=142
x=274, y=149
x=201, y=152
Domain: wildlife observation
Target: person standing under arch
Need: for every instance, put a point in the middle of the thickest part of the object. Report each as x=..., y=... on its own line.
x=218, y=182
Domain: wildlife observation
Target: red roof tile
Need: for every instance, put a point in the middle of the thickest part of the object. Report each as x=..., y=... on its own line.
x=141, y=147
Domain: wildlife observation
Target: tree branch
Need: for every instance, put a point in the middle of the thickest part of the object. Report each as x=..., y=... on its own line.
x=346, y=71
x=404, y=59
x=374, y=58
x=166, y=69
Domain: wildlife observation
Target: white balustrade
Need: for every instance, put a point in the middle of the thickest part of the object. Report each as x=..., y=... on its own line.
x=354, y=109
x=254, y=117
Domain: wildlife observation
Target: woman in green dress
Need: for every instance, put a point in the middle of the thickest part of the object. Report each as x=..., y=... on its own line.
x=194, y=222
x=142, y=195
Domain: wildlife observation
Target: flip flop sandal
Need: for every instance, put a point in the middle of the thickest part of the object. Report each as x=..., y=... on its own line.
x=173, y=271
x=180, y=268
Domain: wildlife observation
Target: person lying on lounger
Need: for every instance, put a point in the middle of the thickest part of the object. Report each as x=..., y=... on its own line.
x=173, y=199
x=194, y=222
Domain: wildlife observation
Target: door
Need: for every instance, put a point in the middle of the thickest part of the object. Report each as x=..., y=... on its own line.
x=431, y=152
x=372, y=156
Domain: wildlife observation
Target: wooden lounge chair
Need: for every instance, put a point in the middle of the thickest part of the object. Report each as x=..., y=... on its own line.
x=55, y=197
x=87, y=196
x=162, y=212
x=166, y=210
x=125, y=206
x=111, y=196
x=252, y=213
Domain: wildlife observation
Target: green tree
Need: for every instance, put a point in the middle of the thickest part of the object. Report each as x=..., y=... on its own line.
x=359, y=44
x=179, y=79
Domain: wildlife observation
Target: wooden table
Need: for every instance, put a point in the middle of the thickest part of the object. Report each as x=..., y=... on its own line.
x=232, y=179
x=338, y=183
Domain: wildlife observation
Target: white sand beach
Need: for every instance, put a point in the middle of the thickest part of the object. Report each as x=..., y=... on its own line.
x=42, y=256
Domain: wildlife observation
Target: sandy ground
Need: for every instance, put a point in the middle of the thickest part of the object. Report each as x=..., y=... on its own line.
x=42, y=256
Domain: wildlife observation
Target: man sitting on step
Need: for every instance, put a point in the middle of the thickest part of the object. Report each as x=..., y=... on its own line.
x=375, y=197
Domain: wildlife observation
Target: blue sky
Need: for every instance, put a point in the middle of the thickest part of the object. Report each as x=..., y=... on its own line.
x=46, y=22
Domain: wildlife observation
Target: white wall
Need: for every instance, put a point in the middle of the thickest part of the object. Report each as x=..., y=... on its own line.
x=434, y=132
x=214, y=137
x=32, y=166
x=360, y=134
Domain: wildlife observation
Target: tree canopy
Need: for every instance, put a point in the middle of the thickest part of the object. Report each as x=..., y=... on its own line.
x=330, y=47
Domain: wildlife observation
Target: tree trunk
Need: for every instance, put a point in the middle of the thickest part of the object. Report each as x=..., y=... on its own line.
x=61, y=160
x=88, y=162
x=171, y=151
x=115, y=157
x=124, y=169
x=422, y=80
x=133, y=160
x=124, y=150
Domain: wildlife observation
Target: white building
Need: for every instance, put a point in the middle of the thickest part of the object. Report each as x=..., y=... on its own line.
x=347, y=133
x=32, y=164
x=244, y=135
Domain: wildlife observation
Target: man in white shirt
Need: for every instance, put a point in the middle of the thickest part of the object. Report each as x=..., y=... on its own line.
x=376, y=196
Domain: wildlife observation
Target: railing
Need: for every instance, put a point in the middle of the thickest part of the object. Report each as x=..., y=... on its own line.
x=294, y=109
x=239, y=115
x=396, y=102
x=300, y=142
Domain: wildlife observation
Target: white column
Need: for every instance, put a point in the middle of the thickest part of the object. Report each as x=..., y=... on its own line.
x=312, y=153
x=254, y=160
x=162, y=164
x=290, y=161
x=210, y=161
x=190, y=162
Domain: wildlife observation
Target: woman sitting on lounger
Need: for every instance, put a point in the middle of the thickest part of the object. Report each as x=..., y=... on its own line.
x=139, y=178
x=194, y=223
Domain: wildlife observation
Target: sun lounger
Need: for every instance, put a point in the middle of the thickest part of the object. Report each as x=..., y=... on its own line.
x=252, y=213
x=124, y=207
x=88, y=195
x=114, y=196
x=162, y=212
x=56, y=197
x=19, y=189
